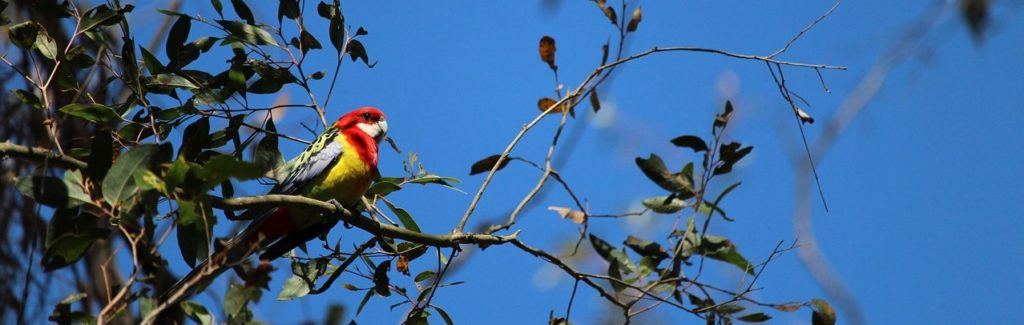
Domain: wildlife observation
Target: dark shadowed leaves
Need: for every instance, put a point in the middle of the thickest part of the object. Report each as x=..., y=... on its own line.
x=610, y=13
x=730, y=154
x=356, y=50
x=612, y=254
x=486, y=164
x=595, y=102
x=195, y=224
x=722, y=249
x=692, y=142
x=381, y=281
x=243, y=11
x=46, y=190
x=547, y=51
x=754, y=318
x=822, y=314
x=176, y=37
x=646, y=248
x=655, y=169
x=288, y=8
x=68, y=236
x=722, y=119
x=634, y=21
x=197, y=312
x=28, y=98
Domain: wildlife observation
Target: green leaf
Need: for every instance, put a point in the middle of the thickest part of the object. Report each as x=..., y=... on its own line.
x=611, y=253
x=218, y=6
x=444, y=315
x=381, y=280
x=722, y=249
x=729, y=309
x=646, y=248
x=197, y=312
x=4, y=20
x=152, y=63
x=383, y=187
x=362, y=303
x=171, y=80
x=654, y=168
x=28, y=98
x=247, y=33
x=100, y=15
x=403, y=216
x=266, y=155
x=243, y=11
x=692, y=142
x=68, y=236
x=96, y=113
x=424, y=276
x=822, y=314
x=76, y=189
x=24, y=34
x=119, y=185
x=304, y=275
x=45, y=190
x=755, y=318
x=664, y=204
x=195, y=224
x=236, y=301
x=616, y=277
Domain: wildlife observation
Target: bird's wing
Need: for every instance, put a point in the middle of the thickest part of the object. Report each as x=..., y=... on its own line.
x=314, y=161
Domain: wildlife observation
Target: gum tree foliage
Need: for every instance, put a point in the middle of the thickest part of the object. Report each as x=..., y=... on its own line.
x=126, y=138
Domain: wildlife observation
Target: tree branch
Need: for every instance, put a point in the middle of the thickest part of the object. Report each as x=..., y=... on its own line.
x=8, y=149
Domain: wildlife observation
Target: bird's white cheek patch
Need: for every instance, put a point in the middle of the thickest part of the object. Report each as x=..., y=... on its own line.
x=375, y=131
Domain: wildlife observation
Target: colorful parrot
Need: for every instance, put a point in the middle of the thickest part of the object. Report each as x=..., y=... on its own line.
x=338, y=166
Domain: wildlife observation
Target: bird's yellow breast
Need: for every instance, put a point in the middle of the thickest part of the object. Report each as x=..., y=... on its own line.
x=347, y=180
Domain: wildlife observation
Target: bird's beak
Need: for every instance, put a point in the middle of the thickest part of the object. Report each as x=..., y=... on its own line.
x=383, y=126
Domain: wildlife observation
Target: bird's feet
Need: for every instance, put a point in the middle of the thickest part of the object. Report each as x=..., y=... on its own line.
x=339, y=212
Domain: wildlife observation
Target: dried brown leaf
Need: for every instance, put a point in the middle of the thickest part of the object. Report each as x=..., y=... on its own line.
x=576, y=216
x=547, y=51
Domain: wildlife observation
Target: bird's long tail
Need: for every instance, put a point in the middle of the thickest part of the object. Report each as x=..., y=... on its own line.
x=264, y=229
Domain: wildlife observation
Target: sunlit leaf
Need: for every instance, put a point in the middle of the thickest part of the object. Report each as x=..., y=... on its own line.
x=576, y=216
x=664, y=204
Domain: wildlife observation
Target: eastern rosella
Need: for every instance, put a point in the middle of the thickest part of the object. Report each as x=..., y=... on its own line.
x=338, y=166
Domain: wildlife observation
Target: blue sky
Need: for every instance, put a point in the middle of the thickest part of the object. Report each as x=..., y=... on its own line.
x=924, y=188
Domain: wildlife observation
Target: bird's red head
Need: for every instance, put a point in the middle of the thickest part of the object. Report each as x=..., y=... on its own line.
x=369, y=120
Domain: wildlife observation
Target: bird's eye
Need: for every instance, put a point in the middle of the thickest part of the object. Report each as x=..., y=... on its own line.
x=367, y=116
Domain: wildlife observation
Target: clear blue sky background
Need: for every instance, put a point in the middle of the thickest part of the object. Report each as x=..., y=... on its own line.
x=924, y=188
